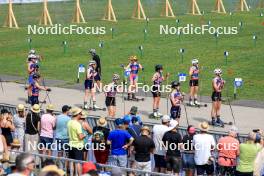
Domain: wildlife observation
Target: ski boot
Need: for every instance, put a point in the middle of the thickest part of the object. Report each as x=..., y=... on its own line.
x=220, y=122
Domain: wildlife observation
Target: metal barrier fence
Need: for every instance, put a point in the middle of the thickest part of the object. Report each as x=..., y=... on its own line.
x=92, y=122
x=71, y=171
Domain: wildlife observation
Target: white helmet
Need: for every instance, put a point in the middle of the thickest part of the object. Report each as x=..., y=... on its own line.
x=116, y=77
x=32, y=51
x=92, y=51
x=195, y=61
x=218, y=71
x=32, y=56
x=92, y=62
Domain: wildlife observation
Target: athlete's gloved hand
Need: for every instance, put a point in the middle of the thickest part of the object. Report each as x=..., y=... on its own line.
x=143, y=68
x=48, y=89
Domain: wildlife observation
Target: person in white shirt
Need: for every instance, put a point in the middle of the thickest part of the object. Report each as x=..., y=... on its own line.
x=159, y=154
x=204, y=143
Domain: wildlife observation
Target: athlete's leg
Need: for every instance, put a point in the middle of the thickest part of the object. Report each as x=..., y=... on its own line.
x=195, y=94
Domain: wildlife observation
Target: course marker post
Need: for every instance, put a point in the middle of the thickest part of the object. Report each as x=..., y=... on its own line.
x=64, y=44
x=112, y=32
x=177, y=22
x=181, y=51
x=101, y=45
x=240, y=25
x=255, y=40
x=29, y=40
x=140, y=48
x=216, y=35
x=145, y=34
x=226, y=55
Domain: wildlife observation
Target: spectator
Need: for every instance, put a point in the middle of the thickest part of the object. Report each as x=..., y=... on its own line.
x=259, y=164
x=100, y=135
x=19, y=123
x=88, y=167
x=61, y=133
x=188, y=152
x=135, y=128
x=52, y=170
x=204, y=143
x=143, y=146
x=118, y=140
x=32, y=129
x=87, y=131
x=47, y=126
x=3, y=148
x=7, y=126
x=228, y=151
x=159, y=154
x=25, y=165
x=172, y=141
x=248, y=153
x=76, y=137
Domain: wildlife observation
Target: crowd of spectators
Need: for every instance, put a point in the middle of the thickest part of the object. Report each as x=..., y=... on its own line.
x=131, y=145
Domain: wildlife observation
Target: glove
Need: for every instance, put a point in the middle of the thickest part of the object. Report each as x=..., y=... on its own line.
x=48, y=89
x=143, y=68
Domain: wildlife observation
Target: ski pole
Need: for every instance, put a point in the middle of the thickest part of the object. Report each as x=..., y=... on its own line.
x=186, y=115
x=229, y=103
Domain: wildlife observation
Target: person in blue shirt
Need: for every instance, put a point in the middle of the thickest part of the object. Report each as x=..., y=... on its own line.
x=118, y=140
x=61, y=133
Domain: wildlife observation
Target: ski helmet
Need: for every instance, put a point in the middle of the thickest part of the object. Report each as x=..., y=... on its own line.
x=158, y=67
x=195, y=61
x=175, y=84
x=218, y=71
x=32, y=51
x=116, y=77
x=92, y=62
x=36, y=76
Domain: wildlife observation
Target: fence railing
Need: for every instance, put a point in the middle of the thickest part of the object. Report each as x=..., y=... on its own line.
x=69, y=165
x=110, y=123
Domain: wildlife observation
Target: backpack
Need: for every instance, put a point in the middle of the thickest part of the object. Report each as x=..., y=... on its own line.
x=98, y=137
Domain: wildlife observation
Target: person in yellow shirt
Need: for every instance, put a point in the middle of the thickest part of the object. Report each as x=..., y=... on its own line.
x=76, y=137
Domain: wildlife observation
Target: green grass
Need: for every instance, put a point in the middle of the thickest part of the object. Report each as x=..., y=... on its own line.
x=244, y=59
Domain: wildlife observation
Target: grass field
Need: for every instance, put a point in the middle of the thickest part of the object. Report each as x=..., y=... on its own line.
x=245, y=59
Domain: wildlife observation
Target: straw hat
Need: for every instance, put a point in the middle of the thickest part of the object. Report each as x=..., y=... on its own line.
x=84, y=114
x=20, y=108
x=15, y=143
x=75, y=111
x=50, y=107
x=53, y=168
x=35, y=108
x=101, y=122
x=204, y=126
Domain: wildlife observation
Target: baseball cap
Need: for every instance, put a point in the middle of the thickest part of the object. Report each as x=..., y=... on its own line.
x=165, y=118
x=173, y=124
x=65, y=108
x=119, y=122
x=127, y=119
x=88, y=166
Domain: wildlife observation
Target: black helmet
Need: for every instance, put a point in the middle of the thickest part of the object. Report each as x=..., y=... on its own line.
x=36, y=76
x=175, y=84
x=158, y=67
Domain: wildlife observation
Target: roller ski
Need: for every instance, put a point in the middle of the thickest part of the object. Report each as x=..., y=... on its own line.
x=96, y=109
x=219, y=123
x=196, y=104
x=133, y=98
x=155, y=115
